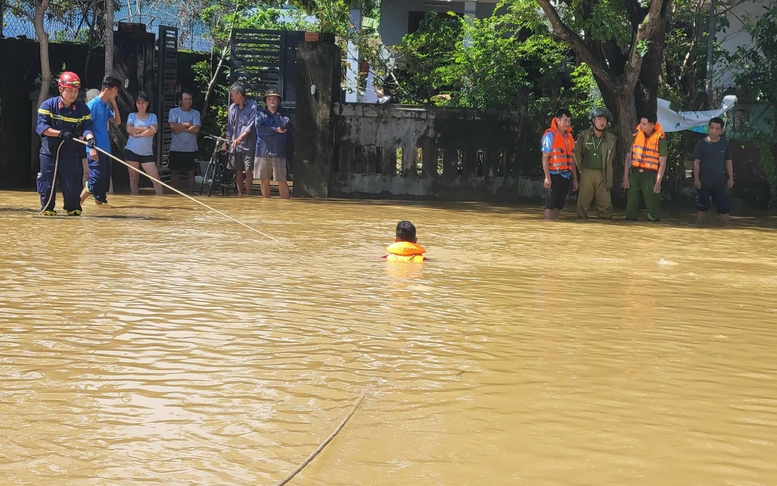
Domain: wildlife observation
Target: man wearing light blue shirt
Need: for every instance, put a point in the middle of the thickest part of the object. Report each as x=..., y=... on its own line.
x=185, y=124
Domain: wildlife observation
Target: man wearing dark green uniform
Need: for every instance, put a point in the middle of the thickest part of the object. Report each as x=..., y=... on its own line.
x=594, y=153
x=647, y=162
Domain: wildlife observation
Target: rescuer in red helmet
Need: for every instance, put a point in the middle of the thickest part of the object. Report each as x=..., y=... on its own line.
x=60, y=119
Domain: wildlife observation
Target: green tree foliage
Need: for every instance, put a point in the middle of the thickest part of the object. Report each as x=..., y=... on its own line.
x=756, y=65
x=488, y=64
x=427, y=57
x=333, y=16
x=683, y=73
x=506, y=61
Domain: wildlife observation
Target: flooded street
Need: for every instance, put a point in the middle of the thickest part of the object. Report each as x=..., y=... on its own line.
x=155, y=342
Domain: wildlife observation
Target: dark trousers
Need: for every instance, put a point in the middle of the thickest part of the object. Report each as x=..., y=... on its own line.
x=70, y=175
x=100, y=177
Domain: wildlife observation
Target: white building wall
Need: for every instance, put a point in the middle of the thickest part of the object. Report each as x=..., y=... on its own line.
x=734, y=37
x=394, y=15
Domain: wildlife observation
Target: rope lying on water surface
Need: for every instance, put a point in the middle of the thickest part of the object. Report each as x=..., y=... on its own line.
x=163, y=184
x=323, y=444
x=342, y=424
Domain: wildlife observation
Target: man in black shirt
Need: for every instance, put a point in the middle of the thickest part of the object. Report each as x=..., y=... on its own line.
x=712, y=156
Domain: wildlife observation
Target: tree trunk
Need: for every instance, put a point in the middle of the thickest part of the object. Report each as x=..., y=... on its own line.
x=652, y=65
x=43, y=41
x=620, y=100
x=109, y=37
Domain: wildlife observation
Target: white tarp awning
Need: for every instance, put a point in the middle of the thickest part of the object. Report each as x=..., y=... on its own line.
x=675, y=121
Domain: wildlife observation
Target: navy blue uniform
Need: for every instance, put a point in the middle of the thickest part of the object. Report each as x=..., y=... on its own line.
x=77, y=120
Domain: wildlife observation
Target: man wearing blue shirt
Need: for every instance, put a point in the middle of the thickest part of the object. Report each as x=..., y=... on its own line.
x=185, y=124
x=242, y=136
x=103, y=110
x=558, y=163
x=271, y=127
x=60, y=119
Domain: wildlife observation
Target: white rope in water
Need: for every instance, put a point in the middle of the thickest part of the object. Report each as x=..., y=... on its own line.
x=323, y=444
x=179, y=192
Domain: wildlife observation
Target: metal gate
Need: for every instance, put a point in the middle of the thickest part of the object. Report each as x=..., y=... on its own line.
x=166, y=90
x=263, y=59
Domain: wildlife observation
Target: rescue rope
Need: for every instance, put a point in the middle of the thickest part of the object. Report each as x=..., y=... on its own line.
x=323, y=444
x=53, y=181
x=178, y=192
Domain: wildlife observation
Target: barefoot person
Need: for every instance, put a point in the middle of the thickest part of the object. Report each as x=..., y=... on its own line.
x=185, y=124
x=558, y=163
x=271, y=127
x=712, y=160
x=241, y=134
x=139, y=152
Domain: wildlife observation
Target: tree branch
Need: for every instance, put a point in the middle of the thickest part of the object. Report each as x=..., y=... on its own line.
x=575, y=42
x=648, y=31
x=20, y=11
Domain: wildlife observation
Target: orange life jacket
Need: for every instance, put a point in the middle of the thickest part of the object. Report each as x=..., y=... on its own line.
x=644, y=152
x=561, y=154
x=405, y=251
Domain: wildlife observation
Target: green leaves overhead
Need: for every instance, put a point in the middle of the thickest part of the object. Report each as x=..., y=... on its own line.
x=602, y=21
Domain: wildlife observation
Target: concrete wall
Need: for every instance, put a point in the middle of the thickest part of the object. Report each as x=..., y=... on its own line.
x=394, y=15
x=431, y=153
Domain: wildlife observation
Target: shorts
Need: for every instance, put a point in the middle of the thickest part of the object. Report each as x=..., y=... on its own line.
x=270, y=168
x=556, y=196
x=186, y=161
x=131, y=156
x=719, y=197
x=241, y=161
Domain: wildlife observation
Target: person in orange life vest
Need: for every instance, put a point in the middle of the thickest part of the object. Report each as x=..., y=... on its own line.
x=405, y=247
x=647, y=162
x=558, y=163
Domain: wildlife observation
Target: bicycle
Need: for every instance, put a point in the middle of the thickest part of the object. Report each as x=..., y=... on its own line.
x=216, y=173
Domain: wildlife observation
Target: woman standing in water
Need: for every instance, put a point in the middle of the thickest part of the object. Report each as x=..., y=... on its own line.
x=141, y=127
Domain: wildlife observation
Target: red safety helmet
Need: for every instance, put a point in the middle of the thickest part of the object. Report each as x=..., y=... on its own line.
x=69, y=80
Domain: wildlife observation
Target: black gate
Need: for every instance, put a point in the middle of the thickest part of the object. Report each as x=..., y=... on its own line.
x=263, y=59
x=166, y=90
